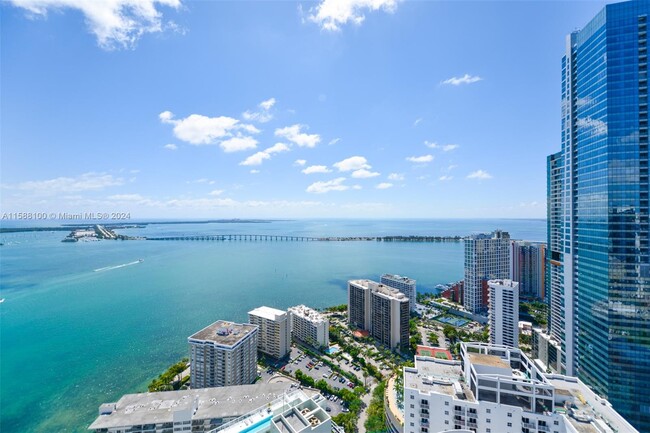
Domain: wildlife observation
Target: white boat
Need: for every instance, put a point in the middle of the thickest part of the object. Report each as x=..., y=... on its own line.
x=2, y=300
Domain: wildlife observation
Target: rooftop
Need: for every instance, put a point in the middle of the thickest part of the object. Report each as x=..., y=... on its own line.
x=488, y=360
x=307, y=313
x=504, y=283
x=381, y=289
x=224, y=333
x=399, y=278
x=267, y=313
x=159, y=407
x=586, y=412
x=291, y=413
x=432, y=375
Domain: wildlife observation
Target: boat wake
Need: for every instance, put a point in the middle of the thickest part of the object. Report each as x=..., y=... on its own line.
x=110, y=268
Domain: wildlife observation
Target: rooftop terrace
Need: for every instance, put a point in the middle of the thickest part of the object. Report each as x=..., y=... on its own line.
x=224, y=333
x=159, y=407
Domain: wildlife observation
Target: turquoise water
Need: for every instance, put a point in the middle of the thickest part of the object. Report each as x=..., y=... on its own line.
x=72, y=338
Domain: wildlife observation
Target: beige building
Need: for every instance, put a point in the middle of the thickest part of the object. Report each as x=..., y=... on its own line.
x=309, y=326
x=274, y=331
x=223, y=354
x=381, y=310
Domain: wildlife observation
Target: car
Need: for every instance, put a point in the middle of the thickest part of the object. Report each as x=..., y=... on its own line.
x=350, y=385
x=325, y=375
x=328, y=409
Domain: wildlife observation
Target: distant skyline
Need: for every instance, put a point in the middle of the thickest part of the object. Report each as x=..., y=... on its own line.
x=187, y=109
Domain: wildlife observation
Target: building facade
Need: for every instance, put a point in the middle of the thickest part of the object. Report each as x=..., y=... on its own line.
x=487, y=257
x=405, y=285
x=603, y=220
x=504, y=312
x=309, y=326
x=497, y=389
x=528, y=268
x=273, y=331
x=223, y=354
x=382, y=311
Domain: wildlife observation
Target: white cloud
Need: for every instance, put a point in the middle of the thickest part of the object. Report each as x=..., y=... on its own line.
x=444, y=148
x=238, y=144
x=255, y=159
x=295, y=135
x=445, y=178
x=480, y=175
x=364, y=174
x=330, y=185
x=268, y=104
x=300, y=162
x=357, y=187
x=420, y=159
x=316, y=169
x=199, y=130
x=353, y=163
x=332, y=14
x=254, y=171
x=216, y=192
x=334, y=141
x=126, y=197
x=263, y=115
x=384, y=185
x=451, y=167
x=465, y=79
x=170, y=146
x=417, y=121
x=85, y=182
x=259, y=157
x=396, y=176
x=115, y=23
x=277, y=148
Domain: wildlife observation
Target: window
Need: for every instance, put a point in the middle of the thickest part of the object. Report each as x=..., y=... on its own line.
x=412, y=406
x=487, y=430
x=412, y=415
x=556, y=423
x=509, y=414
x=412, y=425
x=488, y=420
x=509, y=424
x=446, y=412
x=488, y=410
x=446, y=422
x=446, y=403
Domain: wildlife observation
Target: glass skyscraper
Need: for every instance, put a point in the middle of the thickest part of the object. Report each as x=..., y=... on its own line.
x=598, y=261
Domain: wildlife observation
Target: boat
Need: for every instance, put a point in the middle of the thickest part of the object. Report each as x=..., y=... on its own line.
x=140, y=260
x=2, y=300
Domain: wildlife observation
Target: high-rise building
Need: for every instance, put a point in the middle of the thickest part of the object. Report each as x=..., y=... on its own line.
x=405, y=285
x=223, y=354
x=309, y=326
x=487, y=257
x=527, y=267
x=504, y=312
x=381, y=310
x=274, y=331
x=497, y=389
x=601, y=176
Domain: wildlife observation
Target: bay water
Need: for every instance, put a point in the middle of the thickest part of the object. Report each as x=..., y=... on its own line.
x=84, y=323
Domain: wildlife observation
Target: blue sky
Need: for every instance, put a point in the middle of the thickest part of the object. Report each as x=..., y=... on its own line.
x=281, y=109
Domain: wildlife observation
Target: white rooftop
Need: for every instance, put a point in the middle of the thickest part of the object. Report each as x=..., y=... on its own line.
x=307, y=313
x=267, y=313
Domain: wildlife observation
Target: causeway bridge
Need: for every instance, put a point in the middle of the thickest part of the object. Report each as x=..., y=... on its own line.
x=283, y=238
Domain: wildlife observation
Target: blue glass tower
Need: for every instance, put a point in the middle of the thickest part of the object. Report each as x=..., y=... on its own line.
x=599, y=229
